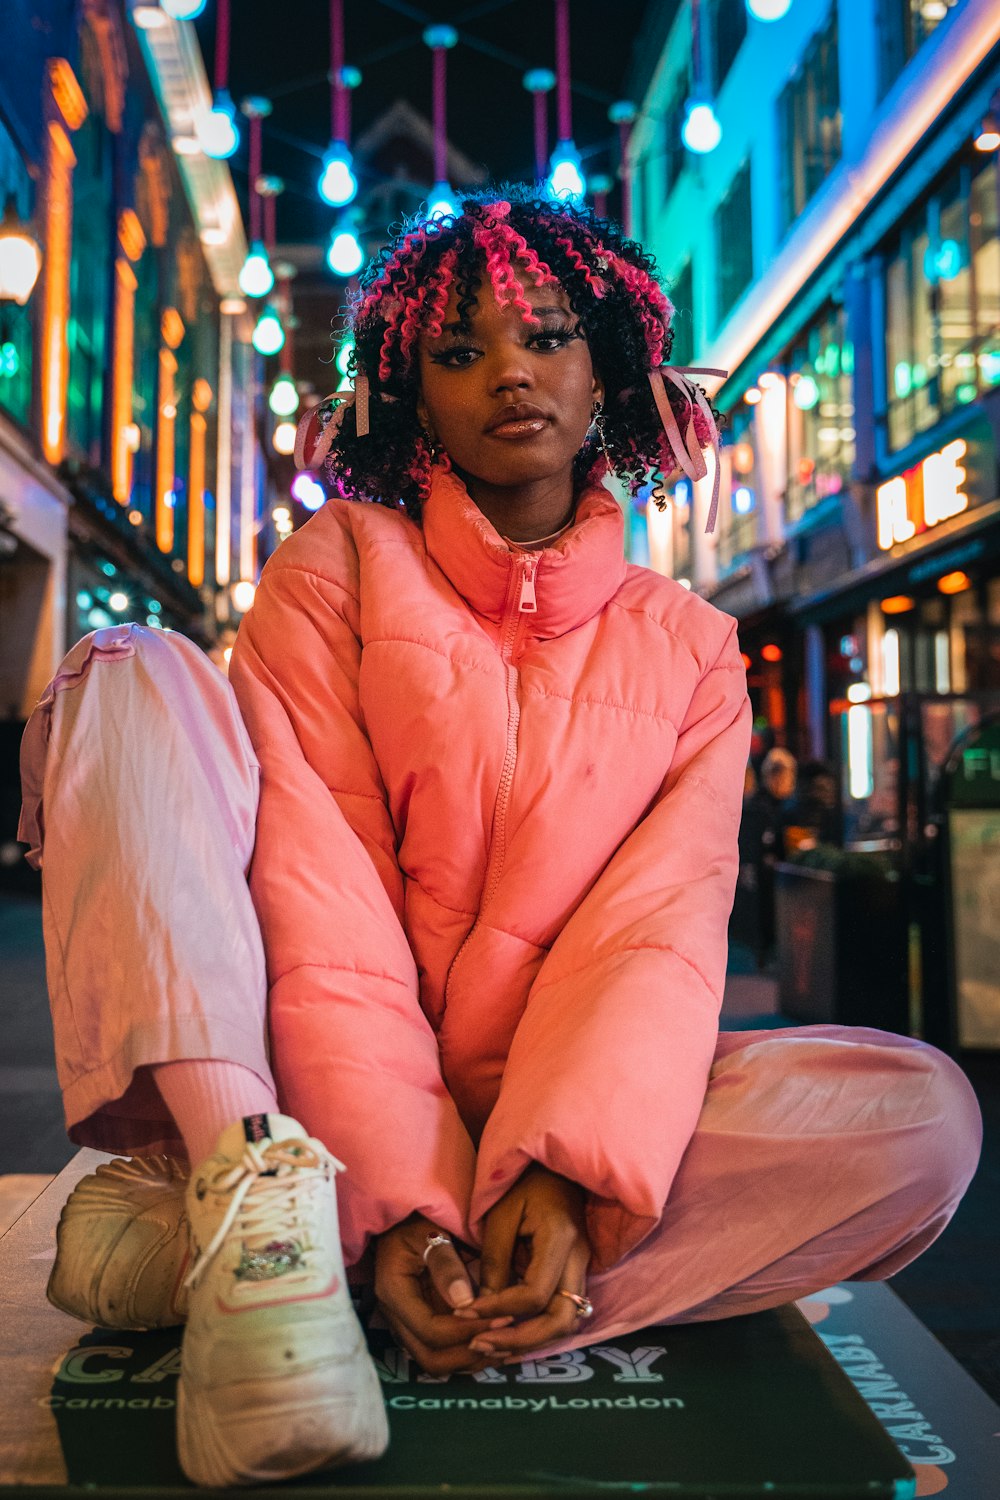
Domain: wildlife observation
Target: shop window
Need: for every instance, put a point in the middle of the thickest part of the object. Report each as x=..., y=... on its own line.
x=145, y=377
x=92, y=247
x=821, y=432
x=733, y=242
x=727, y=23
x=810, y=122
x=738, y=521
x=943, y=303
x=903, y=27
x=682, y=324
x=674, y=154
x=647, y=176
x=16, y=322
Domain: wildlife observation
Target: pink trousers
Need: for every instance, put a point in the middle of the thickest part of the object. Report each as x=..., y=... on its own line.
x=822, y=1153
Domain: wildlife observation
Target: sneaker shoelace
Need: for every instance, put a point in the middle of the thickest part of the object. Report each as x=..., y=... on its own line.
x=276, y=1177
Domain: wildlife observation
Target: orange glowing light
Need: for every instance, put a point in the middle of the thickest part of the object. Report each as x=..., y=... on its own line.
x=747, y=661
x=898, y=604
x=57, y=237
x=752, y=396
x=196, y=502
x=122, y=371
x=743, y=458
x=165, y=423
x=954, y=583
x=771, y=652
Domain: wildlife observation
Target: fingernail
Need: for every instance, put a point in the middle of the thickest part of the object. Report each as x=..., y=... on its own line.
x=465, y=1312
x=501, y=1322
x=481, y=1347
x=460, y=1293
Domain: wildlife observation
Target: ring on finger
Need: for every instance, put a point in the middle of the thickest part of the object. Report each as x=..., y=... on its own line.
x=584, y=1306
x=433, y=1240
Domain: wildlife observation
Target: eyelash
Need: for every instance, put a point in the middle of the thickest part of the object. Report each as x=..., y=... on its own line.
x=561, y=337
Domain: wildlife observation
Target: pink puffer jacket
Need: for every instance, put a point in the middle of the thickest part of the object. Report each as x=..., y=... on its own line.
x=496, y=854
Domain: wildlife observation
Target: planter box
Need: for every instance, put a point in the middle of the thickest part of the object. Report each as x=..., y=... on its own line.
x=842, y=955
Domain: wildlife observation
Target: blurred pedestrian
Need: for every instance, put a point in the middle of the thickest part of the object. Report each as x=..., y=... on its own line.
x=762, y=843
x=810, y=817
x=494, y=850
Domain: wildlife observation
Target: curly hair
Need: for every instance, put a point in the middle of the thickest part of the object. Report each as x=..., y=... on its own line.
x=510, y=237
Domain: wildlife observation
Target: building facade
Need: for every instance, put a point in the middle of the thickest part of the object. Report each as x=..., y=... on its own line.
x=838, y=253
x=122, y=493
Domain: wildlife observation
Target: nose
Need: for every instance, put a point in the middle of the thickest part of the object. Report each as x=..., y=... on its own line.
x=510, y=368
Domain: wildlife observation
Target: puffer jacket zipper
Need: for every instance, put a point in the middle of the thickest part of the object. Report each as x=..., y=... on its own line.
x=522, y=602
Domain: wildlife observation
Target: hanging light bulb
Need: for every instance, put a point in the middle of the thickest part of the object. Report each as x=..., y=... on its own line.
x=268, y=336
x=345, y=256
x=242, y=595
x=184, y=10
x=566, y=179
x=805, y=393
x=284, y=397
x=307, y=490
x=256, y=277
x=701, y=131
x=283, y=438
x=20, y=258
x=218, y=131
x=338, y=184
x=442, y=202
x=768, y=10
x=344, y=353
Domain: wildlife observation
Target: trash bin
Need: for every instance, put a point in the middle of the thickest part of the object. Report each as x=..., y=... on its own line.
x=841, y=938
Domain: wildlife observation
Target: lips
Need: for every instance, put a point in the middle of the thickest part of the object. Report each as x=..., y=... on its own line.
x=517, y=420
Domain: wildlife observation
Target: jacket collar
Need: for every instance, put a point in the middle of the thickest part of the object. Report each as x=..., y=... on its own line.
x=574, y=577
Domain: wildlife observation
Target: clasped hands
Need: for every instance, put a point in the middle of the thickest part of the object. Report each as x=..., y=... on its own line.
x=534, y=1247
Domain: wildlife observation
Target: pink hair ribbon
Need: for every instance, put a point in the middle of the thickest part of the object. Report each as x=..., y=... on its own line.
x=687, y=449
x=312, y=444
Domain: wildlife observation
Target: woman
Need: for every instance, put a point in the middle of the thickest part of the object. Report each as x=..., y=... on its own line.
x=493, y=860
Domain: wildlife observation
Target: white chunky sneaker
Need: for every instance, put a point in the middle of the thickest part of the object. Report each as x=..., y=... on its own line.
x=122, y=1247
x=276, y=1378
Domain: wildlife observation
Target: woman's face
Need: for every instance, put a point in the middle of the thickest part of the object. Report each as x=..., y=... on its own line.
x=509, y=401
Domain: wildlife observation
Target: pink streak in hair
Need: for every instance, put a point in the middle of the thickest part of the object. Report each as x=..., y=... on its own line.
x=503, y=247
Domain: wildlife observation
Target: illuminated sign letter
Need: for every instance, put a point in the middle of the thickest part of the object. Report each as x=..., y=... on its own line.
x=943, y=477
x=894, y=524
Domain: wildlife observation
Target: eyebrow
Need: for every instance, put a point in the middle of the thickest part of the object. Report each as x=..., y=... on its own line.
x=453, y=329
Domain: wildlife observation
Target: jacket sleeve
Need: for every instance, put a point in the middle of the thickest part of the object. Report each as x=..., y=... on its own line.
x=355, y=1058
x=608, y=1069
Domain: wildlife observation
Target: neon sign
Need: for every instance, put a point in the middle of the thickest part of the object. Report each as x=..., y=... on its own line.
x=929, y=493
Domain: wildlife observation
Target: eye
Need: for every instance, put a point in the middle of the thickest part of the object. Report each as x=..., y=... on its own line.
x=458, y=357
x=551, y=339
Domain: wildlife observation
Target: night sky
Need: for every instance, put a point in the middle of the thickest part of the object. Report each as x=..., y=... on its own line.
x=280, y=49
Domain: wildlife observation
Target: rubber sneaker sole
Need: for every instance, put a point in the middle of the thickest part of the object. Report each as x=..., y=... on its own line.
x=122, y=1246
x=323, y=1418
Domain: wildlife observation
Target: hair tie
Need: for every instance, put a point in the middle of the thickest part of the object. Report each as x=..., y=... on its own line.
x=687, y=450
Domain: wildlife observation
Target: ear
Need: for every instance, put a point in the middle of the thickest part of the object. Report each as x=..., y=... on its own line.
x=423, y=416
x=598, y=389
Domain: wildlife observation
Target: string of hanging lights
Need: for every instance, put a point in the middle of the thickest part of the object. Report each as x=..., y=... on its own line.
x=539, y=83
x=701, y=131
x=566, y=179
x=269, y=335
x=256, y=279
x=622, y=115
x=440, y=40
x=218, y=131
x=338, y=185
